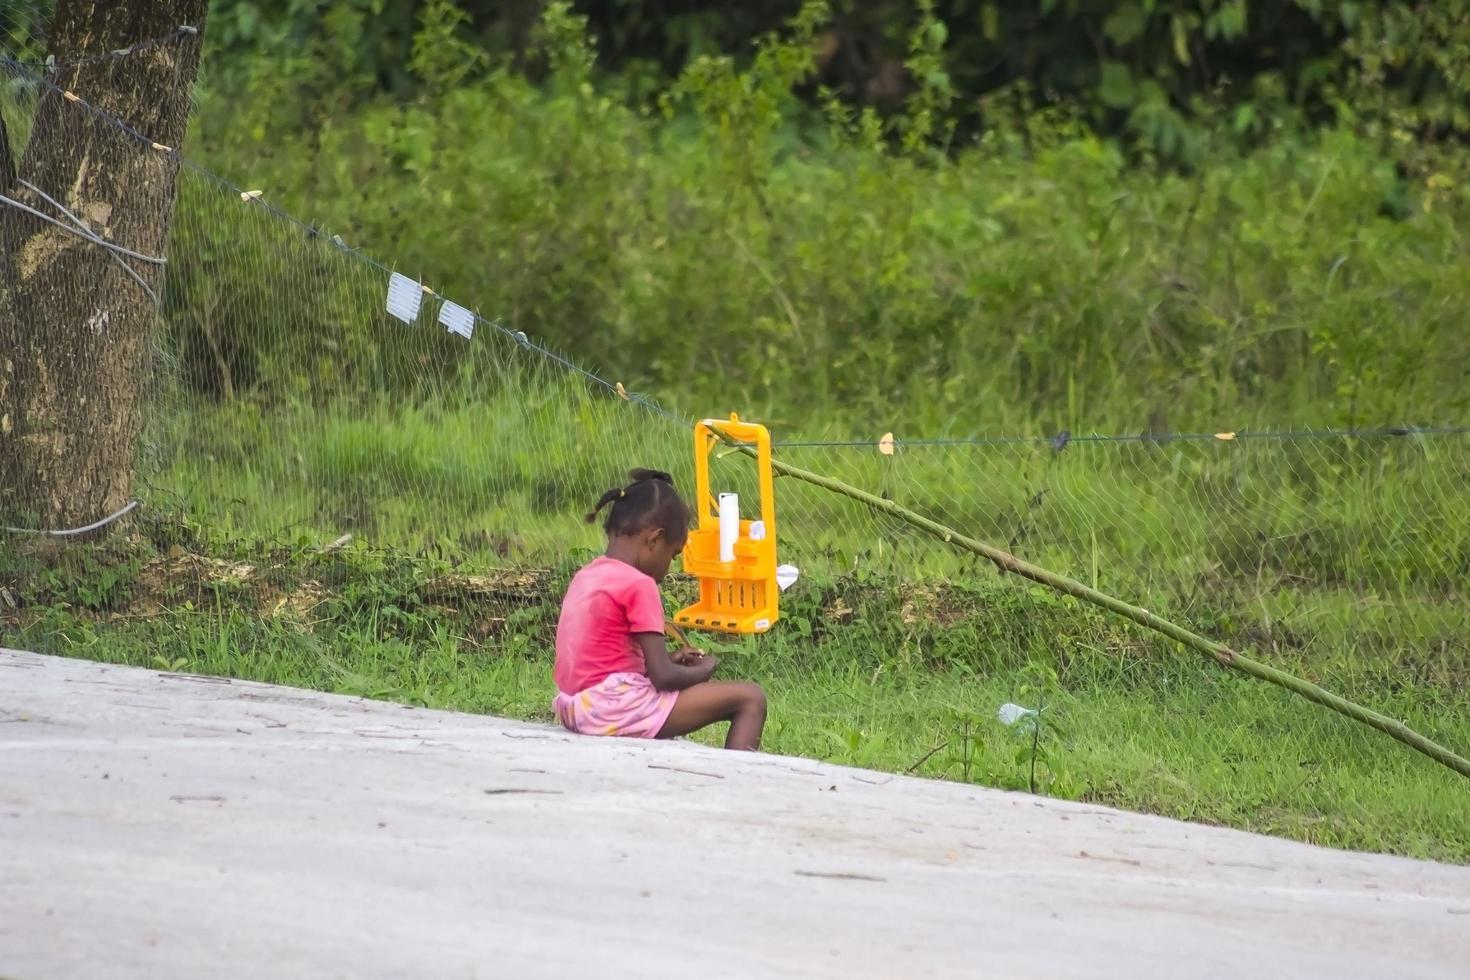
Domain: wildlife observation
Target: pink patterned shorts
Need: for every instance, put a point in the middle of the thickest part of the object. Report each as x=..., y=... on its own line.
x=622, y=704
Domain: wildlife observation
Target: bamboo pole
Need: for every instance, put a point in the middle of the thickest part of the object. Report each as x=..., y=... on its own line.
x=1222, y=654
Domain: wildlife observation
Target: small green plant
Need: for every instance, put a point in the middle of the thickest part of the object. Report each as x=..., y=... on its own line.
x=969, y=740
x=1037, y=729
x=91, y=579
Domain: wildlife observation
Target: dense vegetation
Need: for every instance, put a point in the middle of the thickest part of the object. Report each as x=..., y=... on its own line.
x=1051, y=269
x=1149, y=68
x=1053, y=213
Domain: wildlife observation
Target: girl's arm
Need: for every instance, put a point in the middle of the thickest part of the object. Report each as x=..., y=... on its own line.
x=664, y=673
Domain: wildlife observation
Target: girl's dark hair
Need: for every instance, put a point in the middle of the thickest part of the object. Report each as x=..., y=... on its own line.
x=650, y=500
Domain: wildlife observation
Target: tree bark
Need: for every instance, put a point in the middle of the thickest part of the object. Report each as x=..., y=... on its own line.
x=75, y=327
x=7, y=165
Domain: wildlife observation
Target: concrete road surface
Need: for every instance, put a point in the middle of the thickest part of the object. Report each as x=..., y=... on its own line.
x=165, y=825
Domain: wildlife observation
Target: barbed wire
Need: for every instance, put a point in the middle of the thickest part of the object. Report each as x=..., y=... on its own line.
x=1064, y=438
x=52, y=64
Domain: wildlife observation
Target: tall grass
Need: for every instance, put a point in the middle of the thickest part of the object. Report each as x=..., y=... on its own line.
x=1320, y=543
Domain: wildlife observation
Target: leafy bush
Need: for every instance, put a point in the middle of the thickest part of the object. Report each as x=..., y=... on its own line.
x=744, y=250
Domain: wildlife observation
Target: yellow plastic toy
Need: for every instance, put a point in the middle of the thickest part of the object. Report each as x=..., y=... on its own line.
x=736, y=570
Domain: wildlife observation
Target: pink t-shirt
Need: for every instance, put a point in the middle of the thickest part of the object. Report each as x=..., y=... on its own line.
x=607, y=602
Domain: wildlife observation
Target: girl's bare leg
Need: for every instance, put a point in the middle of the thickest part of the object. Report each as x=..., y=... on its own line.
x=741, y=703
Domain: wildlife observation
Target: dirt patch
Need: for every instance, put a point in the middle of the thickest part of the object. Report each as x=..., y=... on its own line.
x=272, y=586
x=934, y=605
x=303, y=599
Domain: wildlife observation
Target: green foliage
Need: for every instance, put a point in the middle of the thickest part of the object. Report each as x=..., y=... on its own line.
x=442, y=56
x=928, y=112
x=1410, y=80
x=837, y=255
x=21, y=29
x=1173, y=77
x=346, y=44
x=828, y=256
x=93, y=579
x=1165, y=74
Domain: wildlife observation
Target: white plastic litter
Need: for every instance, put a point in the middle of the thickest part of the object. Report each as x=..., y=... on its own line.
x=1009, y=713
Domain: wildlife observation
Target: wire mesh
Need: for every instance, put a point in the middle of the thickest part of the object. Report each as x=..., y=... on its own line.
x=287, y=402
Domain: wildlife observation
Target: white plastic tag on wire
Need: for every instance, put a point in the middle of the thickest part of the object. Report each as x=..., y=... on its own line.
x=457, y=320
x=404, y=298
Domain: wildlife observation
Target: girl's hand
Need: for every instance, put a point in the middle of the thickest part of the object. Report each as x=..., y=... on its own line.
x=674, y=670
x=687, y=656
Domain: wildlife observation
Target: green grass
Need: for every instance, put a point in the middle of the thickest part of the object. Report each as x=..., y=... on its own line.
x=874, y=674
x=1333, y=550
x=1340, y=560
x=1032, y=282
x=1378, y=511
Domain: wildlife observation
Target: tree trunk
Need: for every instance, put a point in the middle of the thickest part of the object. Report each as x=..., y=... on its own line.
x=75, y=326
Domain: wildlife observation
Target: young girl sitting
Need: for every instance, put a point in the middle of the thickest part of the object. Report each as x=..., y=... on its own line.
x=614, y=674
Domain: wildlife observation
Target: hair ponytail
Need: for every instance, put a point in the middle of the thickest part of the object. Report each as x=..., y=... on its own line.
x=603, y=501
x=649, y=500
